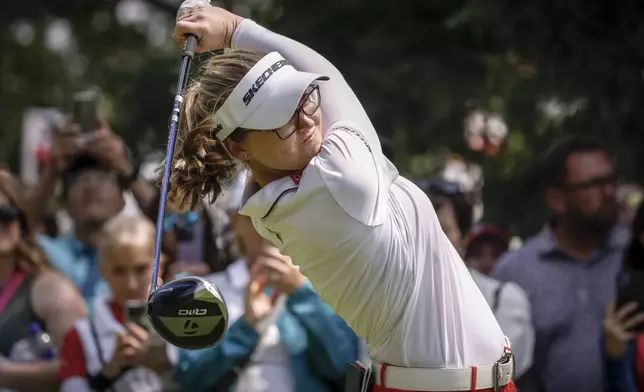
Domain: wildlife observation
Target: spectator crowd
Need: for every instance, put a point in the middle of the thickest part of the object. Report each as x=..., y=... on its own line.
x=72, y=303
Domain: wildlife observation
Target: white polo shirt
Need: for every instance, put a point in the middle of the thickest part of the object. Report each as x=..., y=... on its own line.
x=368, y=239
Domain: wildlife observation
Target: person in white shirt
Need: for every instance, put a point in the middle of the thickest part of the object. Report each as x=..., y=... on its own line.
x=322, y=191
x=509, y=302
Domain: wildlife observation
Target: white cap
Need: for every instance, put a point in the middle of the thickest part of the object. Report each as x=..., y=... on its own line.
x=265, y=98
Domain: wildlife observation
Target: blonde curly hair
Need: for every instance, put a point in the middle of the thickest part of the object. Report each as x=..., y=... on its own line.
x=202, y=166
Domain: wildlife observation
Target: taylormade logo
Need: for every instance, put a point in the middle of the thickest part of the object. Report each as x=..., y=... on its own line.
x=270, y=71
x=192, y=312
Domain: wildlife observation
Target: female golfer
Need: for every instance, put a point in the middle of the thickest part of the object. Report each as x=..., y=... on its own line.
x=322, y=191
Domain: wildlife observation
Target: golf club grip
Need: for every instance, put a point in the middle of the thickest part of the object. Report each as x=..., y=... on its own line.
x=190, y=47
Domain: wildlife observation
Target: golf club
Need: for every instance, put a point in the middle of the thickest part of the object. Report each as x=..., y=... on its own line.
x=190, y=312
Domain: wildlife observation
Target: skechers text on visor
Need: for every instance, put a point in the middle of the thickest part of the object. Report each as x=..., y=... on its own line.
x=265, y=99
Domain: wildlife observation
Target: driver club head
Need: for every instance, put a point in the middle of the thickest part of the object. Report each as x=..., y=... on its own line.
x=189, y=313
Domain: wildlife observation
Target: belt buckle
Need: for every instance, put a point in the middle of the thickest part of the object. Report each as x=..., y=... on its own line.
x=506, y=358
x=496, y=375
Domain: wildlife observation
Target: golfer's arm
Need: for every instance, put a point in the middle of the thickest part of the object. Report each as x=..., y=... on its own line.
x=201, y=370
x=343, y=104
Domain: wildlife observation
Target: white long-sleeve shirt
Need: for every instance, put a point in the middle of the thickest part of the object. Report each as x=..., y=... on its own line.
x=369, y=239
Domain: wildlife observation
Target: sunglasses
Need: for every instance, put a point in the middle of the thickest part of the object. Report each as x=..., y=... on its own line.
x=8, y=214
x=175, y=221
x=611, y=180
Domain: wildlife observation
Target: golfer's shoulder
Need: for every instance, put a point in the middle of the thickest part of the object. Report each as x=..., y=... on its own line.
x=346, y=140
x=355, y=173
x=347, y=152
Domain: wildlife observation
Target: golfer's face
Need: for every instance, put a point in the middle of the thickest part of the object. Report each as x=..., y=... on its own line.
x=292, y=153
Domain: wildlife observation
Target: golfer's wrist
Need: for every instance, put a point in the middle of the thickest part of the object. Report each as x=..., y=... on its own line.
x=235, y=22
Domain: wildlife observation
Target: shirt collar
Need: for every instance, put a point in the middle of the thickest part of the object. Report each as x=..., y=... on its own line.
x=258, y=202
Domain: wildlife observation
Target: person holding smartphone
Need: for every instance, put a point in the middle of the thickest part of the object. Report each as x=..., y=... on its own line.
x=115, y=349
x=96, y=172
x=624, y=320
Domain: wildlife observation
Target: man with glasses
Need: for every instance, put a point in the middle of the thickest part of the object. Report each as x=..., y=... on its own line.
x=569, y=269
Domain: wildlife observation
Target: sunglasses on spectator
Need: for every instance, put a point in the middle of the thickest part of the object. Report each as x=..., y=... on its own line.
x=8, y=214
x=594, y=183
x=173, y=221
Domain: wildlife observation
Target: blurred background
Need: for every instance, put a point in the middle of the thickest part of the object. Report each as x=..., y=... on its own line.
x=467, y=96
x=425, y=71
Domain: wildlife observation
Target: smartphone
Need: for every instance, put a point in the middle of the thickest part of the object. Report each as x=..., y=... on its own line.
x=630, y=288
x=137, y=312
x=85, y=109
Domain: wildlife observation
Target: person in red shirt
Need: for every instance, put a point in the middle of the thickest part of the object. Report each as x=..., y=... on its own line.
x=108, y=351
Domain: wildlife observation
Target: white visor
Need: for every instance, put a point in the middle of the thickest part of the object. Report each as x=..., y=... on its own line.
x=266, y=98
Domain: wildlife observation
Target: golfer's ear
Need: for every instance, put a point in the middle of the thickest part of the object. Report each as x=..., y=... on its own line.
x=236, y=150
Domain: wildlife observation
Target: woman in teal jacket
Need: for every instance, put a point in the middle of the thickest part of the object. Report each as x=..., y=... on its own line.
x=319, y=343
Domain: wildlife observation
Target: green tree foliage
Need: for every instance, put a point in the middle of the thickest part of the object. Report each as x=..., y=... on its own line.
x=419, y=66
x=548, y=67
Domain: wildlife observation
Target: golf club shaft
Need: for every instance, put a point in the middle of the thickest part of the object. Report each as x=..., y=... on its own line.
x=188, y=54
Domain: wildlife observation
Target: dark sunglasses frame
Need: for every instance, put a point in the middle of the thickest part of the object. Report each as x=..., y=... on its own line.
x=597, y=182
x=8, y=214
